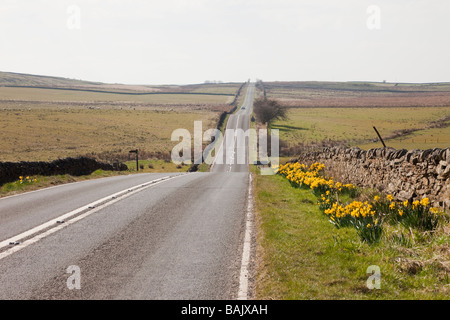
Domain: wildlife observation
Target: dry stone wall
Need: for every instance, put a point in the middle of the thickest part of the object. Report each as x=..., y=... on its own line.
x=407, y=175
x=10, y=171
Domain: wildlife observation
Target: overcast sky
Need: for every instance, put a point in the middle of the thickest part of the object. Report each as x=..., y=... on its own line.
x=190, y=41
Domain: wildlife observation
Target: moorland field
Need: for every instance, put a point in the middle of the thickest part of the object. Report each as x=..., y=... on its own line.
x=46, y=118
x=409, y=116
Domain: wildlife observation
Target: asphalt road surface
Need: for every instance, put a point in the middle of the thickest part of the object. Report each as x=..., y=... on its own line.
x=233, y=155
x=141, y=236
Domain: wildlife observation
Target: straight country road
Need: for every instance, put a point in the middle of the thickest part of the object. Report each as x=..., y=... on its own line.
x=141, y=236
x=233, y=155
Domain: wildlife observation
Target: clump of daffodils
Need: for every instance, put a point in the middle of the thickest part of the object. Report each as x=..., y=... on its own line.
x=359, y=215
x=299, y=175
x=417, y=214
x=366, y=217
x=26, y=180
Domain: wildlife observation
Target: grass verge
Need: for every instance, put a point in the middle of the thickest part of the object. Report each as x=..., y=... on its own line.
x=40, y=182
x=32, y=183
x=303, y=256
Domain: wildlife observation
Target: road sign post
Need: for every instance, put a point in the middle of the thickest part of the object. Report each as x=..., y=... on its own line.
x=137, y=158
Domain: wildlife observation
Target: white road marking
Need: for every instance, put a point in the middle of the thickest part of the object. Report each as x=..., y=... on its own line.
x=91, y=208
x=246, y=252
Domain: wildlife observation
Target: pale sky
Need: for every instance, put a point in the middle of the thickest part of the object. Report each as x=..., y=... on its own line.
x=182, y=42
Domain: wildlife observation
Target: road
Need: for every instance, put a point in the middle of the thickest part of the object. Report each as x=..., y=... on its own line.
x=233, y=154
x=140, y=236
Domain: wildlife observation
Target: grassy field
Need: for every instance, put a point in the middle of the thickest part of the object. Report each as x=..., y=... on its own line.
x=52, y=117
x=358, y=94
x=410, y=116
x=38, y=94
x=48, y=134
x=355, y=126
x=301, y=255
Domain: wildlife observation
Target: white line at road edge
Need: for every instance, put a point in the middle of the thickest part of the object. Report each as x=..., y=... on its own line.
x=89, y=208
x=246, y=251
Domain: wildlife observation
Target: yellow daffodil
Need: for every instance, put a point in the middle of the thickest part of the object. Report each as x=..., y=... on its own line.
x=425, y=202
x=434, y=210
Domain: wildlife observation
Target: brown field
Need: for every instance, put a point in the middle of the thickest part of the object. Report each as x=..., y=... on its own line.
x=107, y=134
x=354, y=94
x=60, y=117
x=58, y=95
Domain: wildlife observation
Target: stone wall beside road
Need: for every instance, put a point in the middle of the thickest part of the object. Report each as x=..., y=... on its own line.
x=11, y=171
x=407, y=175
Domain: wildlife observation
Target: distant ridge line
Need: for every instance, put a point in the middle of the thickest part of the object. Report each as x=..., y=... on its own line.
x=119, y=92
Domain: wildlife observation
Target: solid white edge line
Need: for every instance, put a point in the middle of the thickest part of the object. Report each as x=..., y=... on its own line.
x=246, y=251
x=115, y=198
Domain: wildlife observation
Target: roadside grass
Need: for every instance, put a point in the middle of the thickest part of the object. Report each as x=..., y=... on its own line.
x=156, y=165
x=40, y=182
x=204, y=167
x=301, y=255
x=145, y=166
x=355, y=126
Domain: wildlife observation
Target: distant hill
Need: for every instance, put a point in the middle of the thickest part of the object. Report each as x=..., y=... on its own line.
x=12, y=79
x=21, y=79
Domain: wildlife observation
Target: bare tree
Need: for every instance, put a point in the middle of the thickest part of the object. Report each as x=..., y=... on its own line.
x=267, y=110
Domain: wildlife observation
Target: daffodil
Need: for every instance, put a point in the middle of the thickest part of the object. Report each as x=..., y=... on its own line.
x=434, y=210
x=425, y=202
